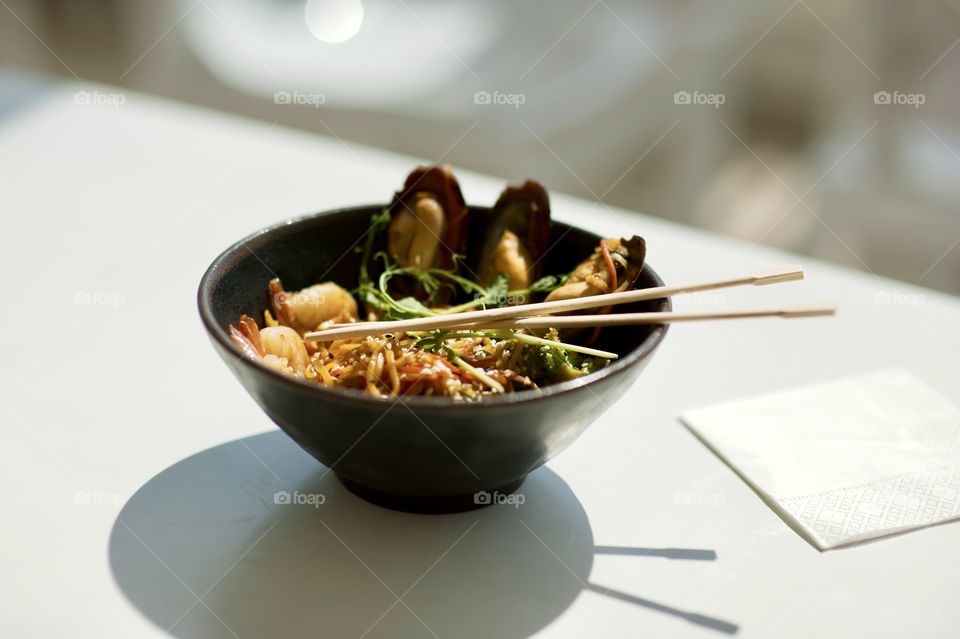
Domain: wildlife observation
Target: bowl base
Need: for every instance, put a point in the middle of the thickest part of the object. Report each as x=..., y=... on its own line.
x=430, y=505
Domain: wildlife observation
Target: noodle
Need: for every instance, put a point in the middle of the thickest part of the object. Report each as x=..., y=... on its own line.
x=392, y=365
x=392, y=372
x=464, y=364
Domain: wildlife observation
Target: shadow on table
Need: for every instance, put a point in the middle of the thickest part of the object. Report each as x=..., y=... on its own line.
x=208, y=548
x=20, y=90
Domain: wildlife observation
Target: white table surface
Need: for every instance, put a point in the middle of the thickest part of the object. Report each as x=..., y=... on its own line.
x=139, y=475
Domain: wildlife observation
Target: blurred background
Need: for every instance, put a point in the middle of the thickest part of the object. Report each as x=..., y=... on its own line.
x=829, y=129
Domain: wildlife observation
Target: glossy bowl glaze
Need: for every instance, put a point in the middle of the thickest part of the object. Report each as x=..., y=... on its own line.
x=420, y=454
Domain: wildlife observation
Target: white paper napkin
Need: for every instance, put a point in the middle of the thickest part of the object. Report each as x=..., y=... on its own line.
x=846, y=460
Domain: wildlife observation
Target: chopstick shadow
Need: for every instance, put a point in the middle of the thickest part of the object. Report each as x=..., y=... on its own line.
x=254, y=538
x=692, y=554
x=693, y=617
x=688, y=554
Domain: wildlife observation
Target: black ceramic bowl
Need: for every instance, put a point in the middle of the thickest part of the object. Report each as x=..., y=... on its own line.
x=422, y=454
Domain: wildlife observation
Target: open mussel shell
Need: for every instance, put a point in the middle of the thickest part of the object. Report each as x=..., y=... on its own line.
x=591, y=276
x=428, y=226
x=635, y=250
x=414, y=233
x=513, y=236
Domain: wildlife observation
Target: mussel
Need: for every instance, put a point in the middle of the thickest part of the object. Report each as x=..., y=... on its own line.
x=614, y=266
x=512, y=237
x=428, y=220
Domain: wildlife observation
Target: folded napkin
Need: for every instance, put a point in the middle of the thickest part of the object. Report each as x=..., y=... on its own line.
x=846, y=460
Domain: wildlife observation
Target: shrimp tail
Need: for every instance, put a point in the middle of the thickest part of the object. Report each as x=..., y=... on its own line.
x=247, y=337
x=282, y=308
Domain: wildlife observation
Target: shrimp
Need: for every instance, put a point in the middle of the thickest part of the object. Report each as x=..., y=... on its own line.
x=279, y=347
x=307, y=309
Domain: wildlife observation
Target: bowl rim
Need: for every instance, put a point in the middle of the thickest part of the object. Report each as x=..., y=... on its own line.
x=361, y=399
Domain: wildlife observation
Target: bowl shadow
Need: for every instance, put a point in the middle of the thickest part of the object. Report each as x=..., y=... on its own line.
x=253, y=538
x=203, y=550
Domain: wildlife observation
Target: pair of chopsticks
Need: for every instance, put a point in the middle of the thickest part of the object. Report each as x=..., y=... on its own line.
x=529, y=315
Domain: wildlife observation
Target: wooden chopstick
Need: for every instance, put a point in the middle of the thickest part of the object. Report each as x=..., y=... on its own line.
x=488, y=316
x=622, y=319
x=630, y=319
